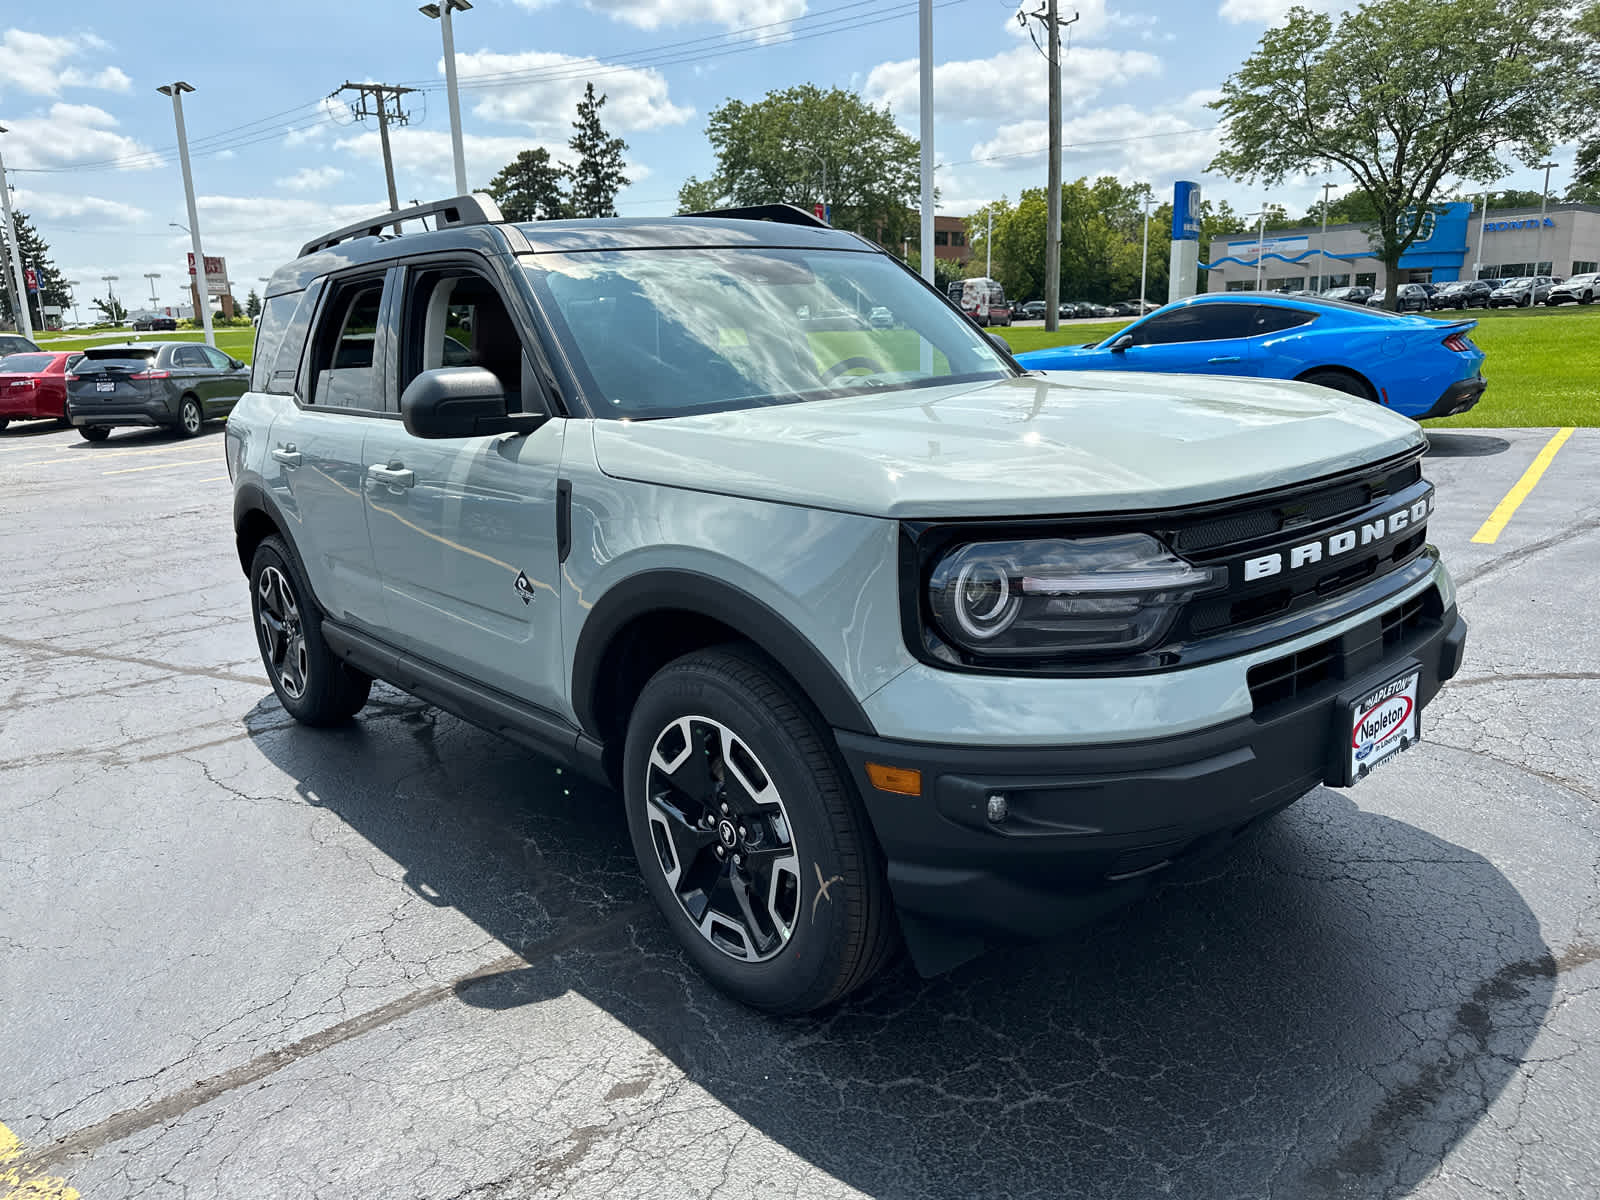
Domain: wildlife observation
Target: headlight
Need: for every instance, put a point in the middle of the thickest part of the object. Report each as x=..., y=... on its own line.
x=1078, y=596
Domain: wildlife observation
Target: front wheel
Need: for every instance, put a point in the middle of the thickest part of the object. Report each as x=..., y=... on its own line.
x=190, y=417
x=94, y=433
x=314, y=686
x=1527, y=301
x=751, y=839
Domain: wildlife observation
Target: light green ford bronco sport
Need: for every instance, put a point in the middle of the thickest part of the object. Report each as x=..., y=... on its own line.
x=882, y=639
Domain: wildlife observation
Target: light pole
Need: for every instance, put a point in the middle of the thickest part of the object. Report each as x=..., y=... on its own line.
x=24, y=318
x=1261, y=234
x=988, y=245
x=152, y=276
x=72, y=291
x=1326, y=188
x=111, y=295
x=1544, y=201
x=1483, y=220
x=905, y=248
x=202, y=298
x=1144, y=259
x=441, y=13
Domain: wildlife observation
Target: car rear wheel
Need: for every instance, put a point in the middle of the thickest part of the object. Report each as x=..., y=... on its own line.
x=1339, y=382
x=1586, y=298
x=314, y=686
x=94, y=433
x=750, y=836
x=1527, y=301
x=190, y=416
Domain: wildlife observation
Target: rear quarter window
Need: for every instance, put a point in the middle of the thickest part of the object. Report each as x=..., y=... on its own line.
x=280, y=340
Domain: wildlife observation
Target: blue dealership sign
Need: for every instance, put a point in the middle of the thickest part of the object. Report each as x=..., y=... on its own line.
x=1528, y=223
x=1185, y=211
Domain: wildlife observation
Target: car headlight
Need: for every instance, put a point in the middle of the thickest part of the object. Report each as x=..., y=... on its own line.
x=1063, y=596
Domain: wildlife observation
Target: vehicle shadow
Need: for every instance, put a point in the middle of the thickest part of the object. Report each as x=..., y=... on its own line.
x=1324, y=1012
x=26, y=427
x=1444, y=444
x=126, y=438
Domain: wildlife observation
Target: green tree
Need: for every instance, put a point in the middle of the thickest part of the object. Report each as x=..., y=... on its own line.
x=529, y=188
x=699, y=195
x=52, y=284
x=802, y=145
x=1585, y=185
x=252, y=304
x=1402, y=95
x=597, y=175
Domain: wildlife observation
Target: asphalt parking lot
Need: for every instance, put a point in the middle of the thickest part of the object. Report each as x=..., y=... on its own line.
x=407, y=959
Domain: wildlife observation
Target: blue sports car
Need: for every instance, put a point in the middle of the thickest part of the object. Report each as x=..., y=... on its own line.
x=1412, y=364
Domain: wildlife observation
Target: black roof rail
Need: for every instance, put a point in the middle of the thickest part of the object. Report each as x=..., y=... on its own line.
x=476, y=209
x=784, y=214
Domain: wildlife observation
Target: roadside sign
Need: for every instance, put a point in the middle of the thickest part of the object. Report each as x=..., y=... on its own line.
x=32, y=276
x=216, y=273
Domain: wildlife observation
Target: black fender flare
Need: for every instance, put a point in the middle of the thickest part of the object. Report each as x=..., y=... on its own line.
x=703, y=595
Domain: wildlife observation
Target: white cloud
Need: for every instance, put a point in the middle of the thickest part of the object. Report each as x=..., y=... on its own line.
x=37, y=64
x=310, y=179
x=314, y=127
x=635, y=98
x=71, y=133
x=59, y=205
x=1270, y=12
x=734, y=14
x=1123, y=140
x=1014, y=80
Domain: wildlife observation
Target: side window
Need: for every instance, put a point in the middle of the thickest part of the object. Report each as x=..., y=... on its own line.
x=215, y=358
x=457, y=319
x=1197, y=323
x=1272, y=319
x=281, y=340
x=343, y=366
x=188, y=357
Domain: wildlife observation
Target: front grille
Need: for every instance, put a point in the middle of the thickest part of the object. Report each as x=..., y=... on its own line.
x=1279, y=680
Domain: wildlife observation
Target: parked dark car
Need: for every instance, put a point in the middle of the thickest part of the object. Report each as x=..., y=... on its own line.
x=154, y=323
x=176, y=385
x=1088, y=308
x=1580, y=289
x=1350, y=295
x=1033, y=310
x=1412, y=297
x=1522, y=292
x=14, y=343
x=1467, y=293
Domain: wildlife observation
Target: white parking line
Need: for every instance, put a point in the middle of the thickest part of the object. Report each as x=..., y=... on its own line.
x=193, y=462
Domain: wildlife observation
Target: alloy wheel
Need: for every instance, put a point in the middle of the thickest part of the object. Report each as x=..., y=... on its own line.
x=723, y=838
x=192, y=419
x=283, y=635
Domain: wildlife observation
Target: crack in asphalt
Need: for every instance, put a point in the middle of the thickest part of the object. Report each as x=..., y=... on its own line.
x=1513, y=557
x=129, y=659
x=160, y=1111
x=1526, y=676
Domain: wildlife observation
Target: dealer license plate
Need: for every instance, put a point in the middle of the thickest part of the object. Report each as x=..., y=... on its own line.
x=105, y=385
x=1383, y=723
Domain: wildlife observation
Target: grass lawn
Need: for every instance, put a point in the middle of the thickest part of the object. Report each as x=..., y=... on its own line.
x=1542, y=364
x=238, y=342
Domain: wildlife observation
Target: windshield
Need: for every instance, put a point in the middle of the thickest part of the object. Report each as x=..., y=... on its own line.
x=1521, y=281
x=25, y=362
x=663, y=333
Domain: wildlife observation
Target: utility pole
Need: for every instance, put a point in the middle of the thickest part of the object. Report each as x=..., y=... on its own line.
x=1326, y=188
x=1544, y=201
x=176, y=91
x=1144, y=259
x=14, y=278
x=1053, y=25
x=441, y=13
x=381, y=94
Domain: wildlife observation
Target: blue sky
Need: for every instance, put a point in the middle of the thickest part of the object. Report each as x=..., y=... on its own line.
x=90, y=152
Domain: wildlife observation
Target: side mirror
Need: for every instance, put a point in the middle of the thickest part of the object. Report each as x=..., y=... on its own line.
x=236, y=364
x=1122, y=342
x=998, y=342
x=461, y=402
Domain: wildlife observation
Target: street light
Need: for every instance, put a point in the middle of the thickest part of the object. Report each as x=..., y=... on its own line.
x=72, y=291
x=1144, y=259
x=441, y=13
x=1261, y=233
x=152, y=276
x=24, y=318
x=111, y=296
x=1544, y=200
x=1326, y=188
x=202, y=299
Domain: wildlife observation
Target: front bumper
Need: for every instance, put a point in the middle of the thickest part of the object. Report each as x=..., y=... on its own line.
x=1088, y=827
x=1457, y=398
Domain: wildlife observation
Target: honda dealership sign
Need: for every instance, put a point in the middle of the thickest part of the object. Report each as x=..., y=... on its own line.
x=1183, y=277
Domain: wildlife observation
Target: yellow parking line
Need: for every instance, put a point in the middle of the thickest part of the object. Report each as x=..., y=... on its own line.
x=1491, y=529
x=19, y=1181
x=193, y=462
x=213, y=478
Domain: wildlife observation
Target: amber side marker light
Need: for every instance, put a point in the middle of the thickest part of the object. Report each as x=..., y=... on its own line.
x=903, y=781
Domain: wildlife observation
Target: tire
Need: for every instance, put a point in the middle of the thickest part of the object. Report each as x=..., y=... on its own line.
x=314, y=686
x=1339, y=382
x=816, y=918
x=94, y=433
x=1527, y=301
x=191, y=417
x=4, y=421
x=1586, y=298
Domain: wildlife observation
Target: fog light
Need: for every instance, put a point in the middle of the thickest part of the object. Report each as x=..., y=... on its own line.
x=997, y=808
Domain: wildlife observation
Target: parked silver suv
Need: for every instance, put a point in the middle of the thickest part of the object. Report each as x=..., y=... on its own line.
x=880, y=637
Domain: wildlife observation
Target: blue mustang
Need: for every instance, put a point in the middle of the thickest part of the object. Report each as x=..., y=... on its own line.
x=1414, y=365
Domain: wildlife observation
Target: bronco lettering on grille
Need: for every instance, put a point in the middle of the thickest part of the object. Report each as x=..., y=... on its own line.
x=1335, y=544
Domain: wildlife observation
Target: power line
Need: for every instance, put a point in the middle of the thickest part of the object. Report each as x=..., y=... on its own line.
x=381, y=95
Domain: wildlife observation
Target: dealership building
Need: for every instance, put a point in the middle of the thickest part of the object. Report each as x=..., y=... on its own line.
x=1457, y=241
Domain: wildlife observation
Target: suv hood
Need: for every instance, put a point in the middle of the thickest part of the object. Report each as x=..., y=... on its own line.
x=1084, y=441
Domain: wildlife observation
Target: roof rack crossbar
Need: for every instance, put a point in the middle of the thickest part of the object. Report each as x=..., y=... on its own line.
x=475, y=209
x=783, y=214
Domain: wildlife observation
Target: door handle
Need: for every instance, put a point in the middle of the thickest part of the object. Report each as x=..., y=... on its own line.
x=395, y=476
x=1224, y=358
x=287, y=455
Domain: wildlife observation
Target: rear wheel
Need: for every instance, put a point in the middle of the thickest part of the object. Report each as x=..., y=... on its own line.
x=314, y=686
x=1339, y=382
x=190, y=416
x=94, y=433
x=1527, y=301
x=751, y=839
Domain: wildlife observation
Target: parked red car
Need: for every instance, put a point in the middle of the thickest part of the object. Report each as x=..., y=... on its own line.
x=33, y=386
